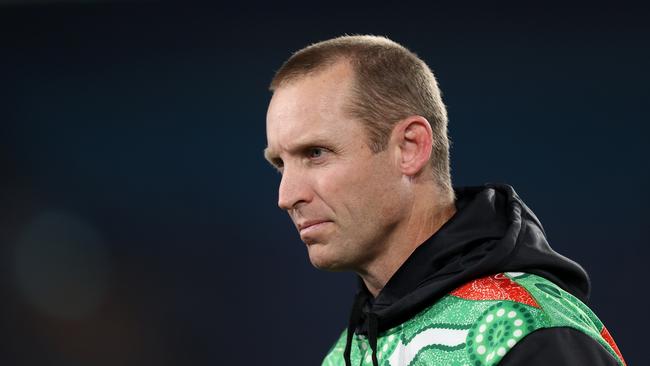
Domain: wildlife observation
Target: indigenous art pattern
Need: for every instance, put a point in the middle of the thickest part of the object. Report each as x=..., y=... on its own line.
x=497, y=287
x=477, y=324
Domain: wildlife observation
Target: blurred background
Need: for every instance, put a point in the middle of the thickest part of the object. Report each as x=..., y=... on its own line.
x=138, y=218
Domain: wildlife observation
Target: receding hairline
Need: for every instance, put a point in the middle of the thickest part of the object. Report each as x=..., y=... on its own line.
x=298, y=75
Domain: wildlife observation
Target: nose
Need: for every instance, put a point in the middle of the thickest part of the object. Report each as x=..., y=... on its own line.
x=294, y=189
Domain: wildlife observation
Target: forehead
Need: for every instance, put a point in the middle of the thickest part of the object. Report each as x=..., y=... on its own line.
x=312, y=107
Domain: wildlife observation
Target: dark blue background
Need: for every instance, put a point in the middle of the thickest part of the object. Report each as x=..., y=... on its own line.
x=141, y=125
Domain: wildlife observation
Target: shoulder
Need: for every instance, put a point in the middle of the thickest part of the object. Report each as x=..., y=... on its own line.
x=335, y=355
x=500, y=286
x=559, y=346
x=525, y=306
x=502, y=319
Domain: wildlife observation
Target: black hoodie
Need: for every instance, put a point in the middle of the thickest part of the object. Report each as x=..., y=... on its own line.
x=493, y=231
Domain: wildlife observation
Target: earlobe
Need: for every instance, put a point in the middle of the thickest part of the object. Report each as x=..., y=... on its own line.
x=415, y=138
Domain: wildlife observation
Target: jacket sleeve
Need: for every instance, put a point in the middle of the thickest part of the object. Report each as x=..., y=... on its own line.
x=561, y=346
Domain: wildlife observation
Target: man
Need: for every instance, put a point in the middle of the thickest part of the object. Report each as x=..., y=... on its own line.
x=357, y=127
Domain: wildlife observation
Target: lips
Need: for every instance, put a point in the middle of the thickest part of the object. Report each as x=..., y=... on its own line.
x=310, y=225
x=306, y=224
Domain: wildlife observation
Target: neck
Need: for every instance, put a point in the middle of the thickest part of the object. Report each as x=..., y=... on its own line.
x=417, y=229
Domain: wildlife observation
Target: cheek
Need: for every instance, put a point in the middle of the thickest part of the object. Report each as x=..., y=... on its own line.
x=348, y=181
x=333, y=189
x=387, y=192
x=342, y=188
x=360, y=191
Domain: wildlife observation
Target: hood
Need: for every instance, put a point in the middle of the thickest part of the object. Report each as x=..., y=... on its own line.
x=492, y=231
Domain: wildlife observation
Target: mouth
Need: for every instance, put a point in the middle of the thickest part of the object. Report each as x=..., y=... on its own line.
x=311, y=226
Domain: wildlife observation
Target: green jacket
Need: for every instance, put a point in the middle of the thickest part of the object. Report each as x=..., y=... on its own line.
x=478, y=324
x=484, y=289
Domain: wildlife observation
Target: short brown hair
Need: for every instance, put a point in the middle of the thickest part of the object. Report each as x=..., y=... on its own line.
x=390, y=84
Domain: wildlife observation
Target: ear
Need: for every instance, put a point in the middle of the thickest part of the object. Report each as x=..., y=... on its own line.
x=412, y=138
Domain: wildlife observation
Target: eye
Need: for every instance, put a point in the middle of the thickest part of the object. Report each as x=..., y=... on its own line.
x=315, y=152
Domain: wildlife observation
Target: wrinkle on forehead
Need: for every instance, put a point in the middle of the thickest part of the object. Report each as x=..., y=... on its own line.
x=322, y=91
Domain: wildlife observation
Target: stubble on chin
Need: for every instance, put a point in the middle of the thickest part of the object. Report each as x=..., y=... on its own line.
x=322, y=260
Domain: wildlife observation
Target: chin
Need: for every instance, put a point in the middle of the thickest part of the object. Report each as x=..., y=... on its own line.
x=325, y=262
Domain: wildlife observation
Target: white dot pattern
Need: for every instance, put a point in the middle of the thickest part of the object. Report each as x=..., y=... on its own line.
x=495, y=321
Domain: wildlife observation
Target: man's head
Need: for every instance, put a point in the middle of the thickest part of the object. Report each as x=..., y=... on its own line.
x=357, y=128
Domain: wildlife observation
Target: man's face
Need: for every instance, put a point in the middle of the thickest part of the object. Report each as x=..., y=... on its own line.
x=342, y=197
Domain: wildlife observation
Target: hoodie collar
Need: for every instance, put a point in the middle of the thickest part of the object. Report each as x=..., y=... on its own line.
x=492, y=231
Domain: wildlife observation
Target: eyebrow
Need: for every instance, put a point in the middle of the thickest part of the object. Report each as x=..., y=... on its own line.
x=270, y=156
